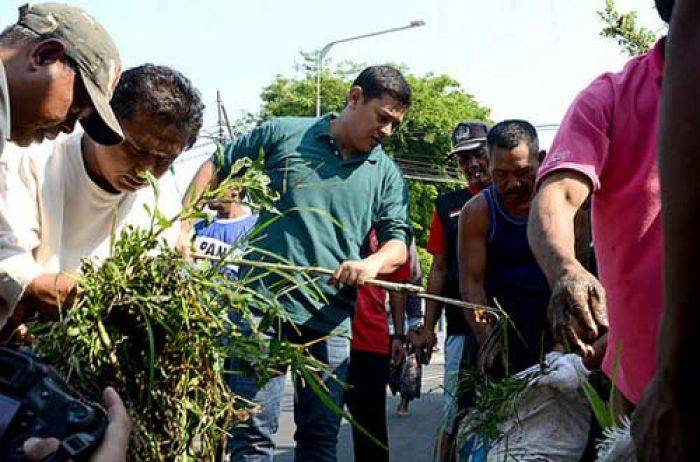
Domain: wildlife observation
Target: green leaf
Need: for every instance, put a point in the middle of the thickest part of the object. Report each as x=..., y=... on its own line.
x=73, y=331
x=161, y=220
x=601, y=412
x=613, y=377
x=151, y=357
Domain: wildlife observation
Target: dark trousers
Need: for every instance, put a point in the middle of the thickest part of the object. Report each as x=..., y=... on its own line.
x=317, y=425
x=368, y=375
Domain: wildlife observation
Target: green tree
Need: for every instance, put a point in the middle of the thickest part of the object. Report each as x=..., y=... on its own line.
x=296, y=95
x=439, y=103
x=623, y=28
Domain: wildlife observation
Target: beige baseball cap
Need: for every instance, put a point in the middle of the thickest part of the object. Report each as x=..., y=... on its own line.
x=91, y=48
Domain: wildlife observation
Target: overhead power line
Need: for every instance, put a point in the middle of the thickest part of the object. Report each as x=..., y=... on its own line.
x=432, y=179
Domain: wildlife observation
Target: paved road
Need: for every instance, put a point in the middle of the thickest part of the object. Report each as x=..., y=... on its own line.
x=411, y=438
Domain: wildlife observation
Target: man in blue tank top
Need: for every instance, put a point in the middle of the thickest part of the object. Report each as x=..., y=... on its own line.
x=230, y=229
x=496, y=264
x=471, y=157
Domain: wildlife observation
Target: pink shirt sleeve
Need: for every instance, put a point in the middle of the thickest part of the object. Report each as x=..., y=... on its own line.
x=582, y=142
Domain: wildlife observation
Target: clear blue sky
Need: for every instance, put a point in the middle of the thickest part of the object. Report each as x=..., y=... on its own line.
x=522, y=58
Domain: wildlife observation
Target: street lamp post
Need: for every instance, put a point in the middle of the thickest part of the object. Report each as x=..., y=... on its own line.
x=324, y=51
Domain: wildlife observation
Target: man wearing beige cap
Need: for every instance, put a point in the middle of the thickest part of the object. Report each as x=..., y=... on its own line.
x=57, y=65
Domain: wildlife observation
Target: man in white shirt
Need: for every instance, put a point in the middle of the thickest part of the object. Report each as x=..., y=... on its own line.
x=61, y=207
x=57, y=65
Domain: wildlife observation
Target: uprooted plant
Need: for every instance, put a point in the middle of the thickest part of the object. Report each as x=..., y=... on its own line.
x=159, y=329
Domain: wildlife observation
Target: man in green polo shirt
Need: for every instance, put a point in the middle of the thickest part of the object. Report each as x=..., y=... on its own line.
x=335, y=184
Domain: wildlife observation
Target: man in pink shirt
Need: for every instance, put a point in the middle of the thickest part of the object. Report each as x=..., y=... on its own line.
x=607, y=146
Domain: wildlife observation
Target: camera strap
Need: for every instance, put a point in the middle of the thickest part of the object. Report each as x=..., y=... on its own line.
x=76, y=447
x=56, y=456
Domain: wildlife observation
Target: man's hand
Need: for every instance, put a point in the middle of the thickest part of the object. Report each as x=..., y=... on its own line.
x=49, y=291
x=398, y=352
x=15, y=328
x=184, y=239
x=657, y=429
x=577, y=311
x=114, y=444
x=116, y=439
x=595, y=360
x=355, y=272
x=422, y=341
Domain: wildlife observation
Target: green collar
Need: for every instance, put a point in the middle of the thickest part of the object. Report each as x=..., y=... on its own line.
x=322, y=130
x=323, y=126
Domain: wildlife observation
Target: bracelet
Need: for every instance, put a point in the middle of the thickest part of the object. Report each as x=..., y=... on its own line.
x=401, y=337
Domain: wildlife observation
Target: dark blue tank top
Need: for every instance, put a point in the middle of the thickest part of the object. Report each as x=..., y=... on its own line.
x=516, y=281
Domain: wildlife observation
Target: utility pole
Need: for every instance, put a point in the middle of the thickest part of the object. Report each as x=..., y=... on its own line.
x=324, y=51
x=220, y=123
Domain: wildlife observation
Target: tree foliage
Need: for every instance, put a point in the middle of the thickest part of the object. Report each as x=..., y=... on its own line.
x=296, y=95
x=623, y=28
x=439, y=103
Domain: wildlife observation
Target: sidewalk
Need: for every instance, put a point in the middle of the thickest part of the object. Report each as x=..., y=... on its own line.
x=438, y=358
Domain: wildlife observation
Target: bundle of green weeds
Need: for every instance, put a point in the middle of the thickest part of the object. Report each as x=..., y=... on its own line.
x=495, y=400
x=159, y=329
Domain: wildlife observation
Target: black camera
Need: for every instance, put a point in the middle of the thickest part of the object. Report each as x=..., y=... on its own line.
x=34, y=402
